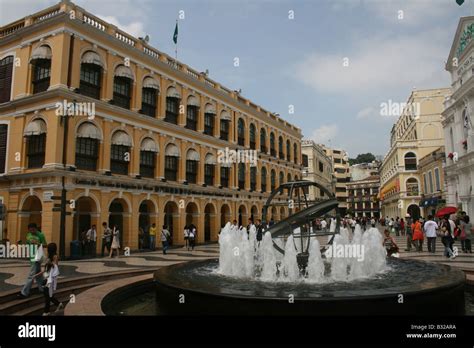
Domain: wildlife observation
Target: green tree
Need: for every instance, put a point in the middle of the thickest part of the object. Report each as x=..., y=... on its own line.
x=362, y=158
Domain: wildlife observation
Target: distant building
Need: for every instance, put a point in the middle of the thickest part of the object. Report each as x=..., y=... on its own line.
x=340, y=162
x=362, y=200
x=318, y=167
x=363, y=170
x=458, y=121
x=413, y=136
x=433, y=191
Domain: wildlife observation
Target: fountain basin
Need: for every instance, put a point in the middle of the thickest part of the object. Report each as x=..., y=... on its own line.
x=409, y=288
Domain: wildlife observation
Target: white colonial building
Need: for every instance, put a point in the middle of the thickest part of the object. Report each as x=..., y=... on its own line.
x=459, y=119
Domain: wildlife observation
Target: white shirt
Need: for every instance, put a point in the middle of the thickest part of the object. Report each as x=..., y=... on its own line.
x=91, y=235
x=430, y=228
x=323, y=223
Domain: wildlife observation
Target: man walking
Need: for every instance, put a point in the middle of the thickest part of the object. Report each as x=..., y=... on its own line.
x=106, y=238
x=91, y=236
x=152, y=233
x=36, y=241
x=165, y=235
x=430, y=228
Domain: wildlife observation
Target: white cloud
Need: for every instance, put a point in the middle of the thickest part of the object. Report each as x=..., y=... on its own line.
x=133, y=28
x=379, y=64
x=325, y=133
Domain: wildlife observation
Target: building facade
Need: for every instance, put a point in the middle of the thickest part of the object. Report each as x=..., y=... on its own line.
x=340, y=161
x=458, y=120
x=363, y=197
x=318, y=167
x=137, y=137
x=433, y=181
x=417, y=133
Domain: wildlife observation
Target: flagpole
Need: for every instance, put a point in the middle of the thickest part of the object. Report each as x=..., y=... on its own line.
x=176, y=48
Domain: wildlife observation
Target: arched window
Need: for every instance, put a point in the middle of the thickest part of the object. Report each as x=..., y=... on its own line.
x=241, y=176
x=281, y=178
x=272, y=180
x=263, y=140
x=87, y=146
x=148, y=152
x=192, y=162
x=253, y=136
x=288, y=178
x=172, y=105
x=241, y=132
x=171, y=162
x=41, y=61
x=272, y=144
x=253, y=178
x=225, y=174
x=35, y=134
x=224, y=125
x=280, y=148
x=410, y=161
x=295, y=153
x=209, y=168
x=209, y=117
x=264, y=179
x=120, y=153
x=192, y=113
x=288, y=151
x=6, y=73
x=123, y=80
x=91, y=74
x=150, y=91
x=412, y=187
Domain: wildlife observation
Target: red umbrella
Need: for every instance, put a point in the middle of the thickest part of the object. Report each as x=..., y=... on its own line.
x=446, y=211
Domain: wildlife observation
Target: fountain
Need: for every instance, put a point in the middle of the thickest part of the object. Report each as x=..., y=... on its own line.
x=294, y=271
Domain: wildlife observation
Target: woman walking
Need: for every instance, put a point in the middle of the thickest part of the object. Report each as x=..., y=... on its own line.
x=115, y=241
x=50, y=279
x=466, y=234
x=186, y=237
x=447, y=237
x=417, y=235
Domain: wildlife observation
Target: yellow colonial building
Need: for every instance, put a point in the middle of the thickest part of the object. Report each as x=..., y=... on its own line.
x=136, y=136
x=417, y=133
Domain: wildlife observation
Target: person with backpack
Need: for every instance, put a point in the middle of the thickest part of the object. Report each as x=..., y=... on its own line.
x=50, y=279
x=165, y=236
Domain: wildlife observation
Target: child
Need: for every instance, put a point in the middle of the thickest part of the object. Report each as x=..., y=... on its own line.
x=50, y=279
x=389, y=244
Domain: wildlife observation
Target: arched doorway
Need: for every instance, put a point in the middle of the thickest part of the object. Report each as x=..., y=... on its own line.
x=242, y=216
x=171, y=220
x=209, y=222
x=30, y=213
x=254, y=213
x=117, y=209
x=225, y=215
x=192, y=213
x=414, y=211
x=146, y=209
x=84, y=218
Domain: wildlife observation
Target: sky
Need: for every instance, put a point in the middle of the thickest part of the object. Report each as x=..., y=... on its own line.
x=333, y=61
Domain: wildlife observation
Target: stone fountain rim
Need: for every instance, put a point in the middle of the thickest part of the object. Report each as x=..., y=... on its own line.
x=455, y=277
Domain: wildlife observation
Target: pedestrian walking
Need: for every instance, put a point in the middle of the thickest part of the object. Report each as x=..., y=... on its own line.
x=192, y=236
x=106, y=238
x=466, y=233
x=417, y=235
x=152, y=233
x=91, y=237
x=186, y=237
x=447, y=237
x=115, y=241
x=36, y=241
x=165, y=235
x=430, y=228
x=50, y=279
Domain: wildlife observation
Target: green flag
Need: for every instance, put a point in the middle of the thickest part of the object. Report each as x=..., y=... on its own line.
x=175, y=35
